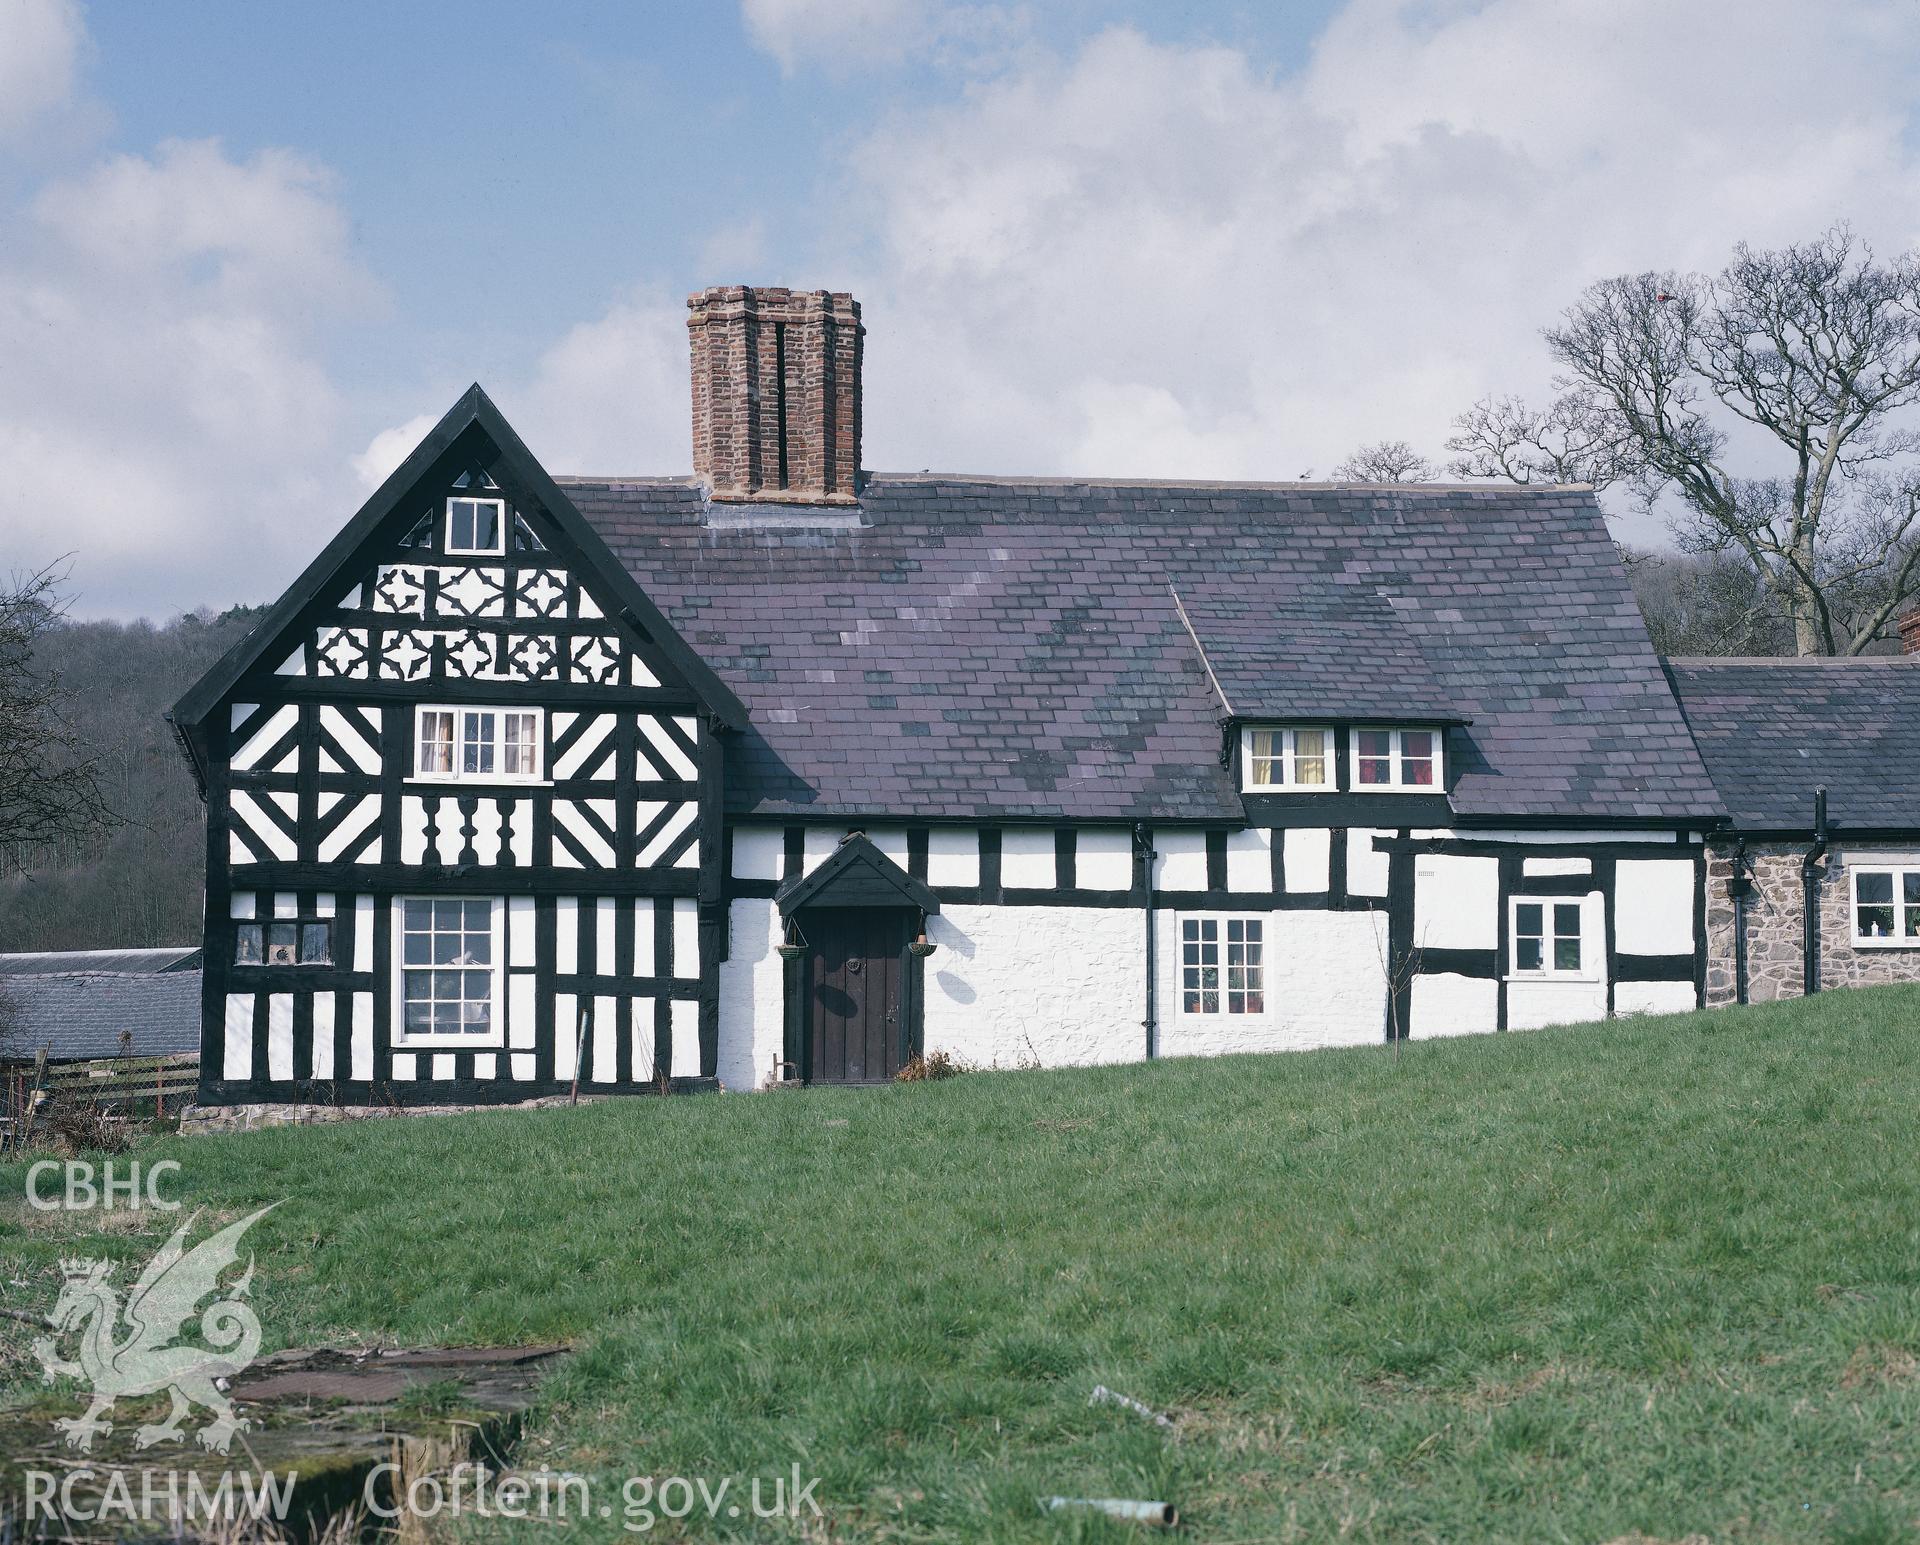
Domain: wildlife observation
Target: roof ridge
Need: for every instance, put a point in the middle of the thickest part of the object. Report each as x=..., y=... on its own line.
x=1815, y=660
x=1062, y=480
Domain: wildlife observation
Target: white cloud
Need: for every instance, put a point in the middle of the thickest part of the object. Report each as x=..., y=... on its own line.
x=844, y=34
x=165, y=412
x=388, y=449
x=1149, y=258
x=612, y=395
x=40, y=42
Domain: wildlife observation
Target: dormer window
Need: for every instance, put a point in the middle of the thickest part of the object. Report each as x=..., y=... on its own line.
x=1288, y=759
x=476, y=526
x=1397, y=759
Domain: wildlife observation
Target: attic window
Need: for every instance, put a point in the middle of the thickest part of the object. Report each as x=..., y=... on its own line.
x=1397, y=759
x=476, y=525
x=1287, y=759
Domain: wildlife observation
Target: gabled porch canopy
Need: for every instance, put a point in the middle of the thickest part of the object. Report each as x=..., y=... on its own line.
x=857, y=874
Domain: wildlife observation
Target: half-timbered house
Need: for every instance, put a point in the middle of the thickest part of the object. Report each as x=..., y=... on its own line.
x=784, y=771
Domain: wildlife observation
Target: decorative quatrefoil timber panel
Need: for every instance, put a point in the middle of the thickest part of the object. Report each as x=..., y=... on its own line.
x=469, y=655
x=472, y=593
x=341, y=652
x=407, y=656
x=530, y=656
x=401, y=588
x=596, y=660
x=542, y=593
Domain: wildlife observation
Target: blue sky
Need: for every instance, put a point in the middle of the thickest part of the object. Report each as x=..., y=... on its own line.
x=248, y=251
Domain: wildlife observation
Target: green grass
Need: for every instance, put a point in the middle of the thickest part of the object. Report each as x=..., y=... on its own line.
x=1661, y=1275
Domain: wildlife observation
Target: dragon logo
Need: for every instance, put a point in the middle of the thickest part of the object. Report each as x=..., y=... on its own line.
x=142, y=1360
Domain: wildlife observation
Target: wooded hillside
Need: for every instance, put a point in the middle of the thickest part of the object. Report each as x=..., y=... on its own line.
x=140, y=882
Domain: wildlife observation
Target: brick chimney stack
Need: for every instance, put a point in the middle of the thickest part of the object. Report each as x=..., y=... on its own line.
x=1909, y=626
x=776, y=393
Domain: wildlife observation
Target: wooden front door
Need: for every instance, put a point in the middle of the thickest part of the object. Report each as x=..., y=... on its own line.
x=856, y=993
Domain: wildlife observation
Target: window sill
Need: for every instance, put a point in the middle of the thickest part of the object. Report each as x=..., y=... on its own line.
x=1886, y=944
x=1556, y=978
x=428, y=781
x=425, y=1041
x=1288, y=788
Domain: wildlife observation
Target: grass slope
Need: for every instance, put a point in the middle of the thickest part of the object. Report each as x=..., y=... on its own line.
x=1658, y=1275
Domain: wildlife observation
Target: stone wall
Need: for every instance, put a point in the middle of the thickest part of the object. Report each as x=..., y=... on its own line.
x=1773, y=923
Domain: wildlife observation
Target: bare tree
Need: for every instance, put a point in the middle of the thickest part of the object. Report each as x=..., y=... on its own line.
x=1704, y=603
x=1390, y=461
x=1816, y=349
x=49, y=782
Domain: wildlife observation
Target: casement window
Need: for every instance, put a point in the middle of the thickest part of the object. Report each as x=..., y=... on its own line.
x=1222, y=965
x=1397, y=759
x=1547, y=937
x=447, y=974
x=284, y=941
x=1288, y=759
x=1886, y=907
x=486, y=745
x=476, y=526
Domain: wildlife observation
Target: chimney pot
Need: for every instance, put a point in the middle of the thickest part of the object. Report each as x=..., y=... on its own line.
x=776, y=393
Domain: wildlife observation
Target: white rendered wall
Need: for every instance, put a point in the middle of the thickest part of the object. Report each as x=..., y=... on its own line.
x=1652, y=997
x=1456, y=904
x=752, y=995
x=1065, y=985
x=1653, y=906
x=1447, y=1004
x=1326, y=985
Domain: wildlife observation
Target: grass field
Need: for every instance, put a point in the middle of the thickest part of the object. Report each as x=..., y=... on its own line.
x=1658, y=1276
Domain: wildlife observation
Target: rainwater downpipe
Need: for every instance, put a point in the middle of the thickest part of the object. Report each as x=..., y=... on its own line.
x=1809, y=897
x=1143, y=850
x=1738, y=887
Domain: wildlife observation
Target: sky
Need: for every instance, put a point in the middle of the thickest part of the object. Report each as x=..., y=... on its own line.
x=249, y=253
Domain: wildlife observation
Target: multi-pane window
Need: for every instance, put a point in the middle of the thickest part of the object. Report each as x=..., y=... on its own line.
x=1396, y=759
x=1546, y=938
x=1886, y=906
x=447, y=968
x=1221, y=965
x=1289, y=759
x=476, y=525
x=480, y=743
x=284, y=942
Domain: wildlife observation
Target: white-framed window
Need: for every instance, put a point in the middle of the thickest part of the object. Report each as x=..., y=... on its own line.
x=1287, y=759
x=478, y=745
x=1223, y=968
x=476, y=526
x=1397, y=759
x=448, y=952
x=1548, y=937
x=1886, y=906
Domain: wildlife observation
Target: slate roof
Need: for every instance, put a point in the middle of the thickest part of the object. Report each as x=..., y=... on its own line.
x=178, y=957
x=981, y=648
x=79, y=1015
x=1288, y=651
x=1773, y=730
